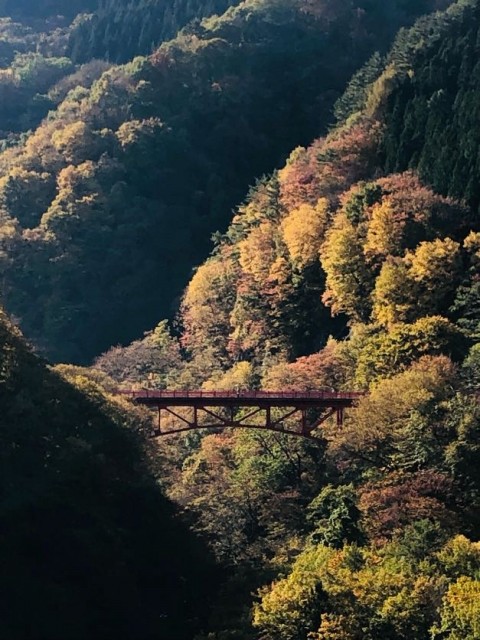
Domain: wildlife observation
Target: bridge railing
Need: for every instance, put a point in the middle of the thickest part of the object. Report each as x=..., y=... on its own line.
x=250, y=395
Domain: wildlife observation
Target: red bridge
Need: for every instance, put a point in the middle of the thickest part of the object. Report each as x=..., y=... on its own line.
x=293, y=413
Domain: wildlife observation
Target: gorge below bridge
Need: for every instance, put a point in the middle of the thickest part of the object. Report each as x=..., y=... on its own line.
x=294, y=413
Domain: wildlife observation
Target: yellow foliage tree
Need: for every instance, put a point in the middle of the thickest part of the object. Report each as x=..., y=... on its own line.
x=239, y=377
x=304, y=231
x=460, y=556
x=472, y=246
x=290, y=606
x=385, y=231
x=397, y=405
x=362, y=592
x=460, y=614
x=349, y=281
x=257, y=251
x=394, y=297
x=75, y=142
x=435, y=267
x=206, y=308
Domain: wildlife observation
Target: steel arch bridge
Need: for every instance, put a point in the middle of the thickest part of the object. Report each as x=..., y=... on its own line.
x=296, y=413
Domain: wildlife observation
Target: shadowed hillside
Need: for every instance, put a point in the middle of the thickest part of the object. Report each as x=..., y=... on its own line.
x=90, y=546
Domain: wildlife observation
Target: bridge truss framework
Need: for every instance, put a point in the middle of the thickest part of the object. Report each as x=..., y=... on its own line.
x=292, y=413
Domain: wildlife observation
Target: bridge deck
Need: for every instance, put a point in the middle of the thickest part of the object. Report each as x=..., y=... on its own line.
x=303, y=399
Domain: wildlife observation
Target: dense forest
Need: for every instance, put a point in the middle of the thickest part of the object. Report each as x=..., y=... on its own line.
x=125, y=181
x=335, y=273
x=33, y=9
x=351, y=263
x=121, y=29
x=432, y=114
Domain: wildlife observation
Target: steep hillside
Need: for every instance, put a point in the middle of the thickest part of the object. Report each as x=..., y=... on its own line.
x=354, y=266
x=89, y=545
x=28, y=9
x=370, y=532
x=121, y=29
x=326, y=236
x=432, y=113
x=49, y=48
x=25, y=85
x=124, y=183
x=35, y=74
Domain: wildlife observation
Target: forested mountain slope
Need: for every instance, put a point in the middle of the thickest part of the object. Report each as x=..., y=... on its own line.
x=330, y=231
x=26, y=9
x=432, y=115
x=48, y=48
x=89, y=545
x=123, y=184
x=368, y=533
x=36, y=74
x=354, y=266
x=121, y=29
